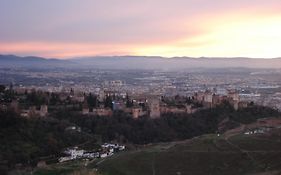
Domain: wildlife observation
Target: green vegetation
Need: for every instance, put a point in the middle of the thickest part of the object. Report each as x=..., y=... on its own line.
x=208, y=154
x=26, y=141
x=121, y=127
x=71, y=168
x=78, y=167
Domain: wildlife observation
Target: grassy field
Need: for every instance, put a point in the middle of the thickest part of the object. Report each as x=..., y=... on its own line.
x=209, y=154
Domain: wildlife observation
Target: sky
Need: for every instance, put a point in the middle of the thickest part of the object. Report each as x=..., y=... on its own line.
x=168, y=28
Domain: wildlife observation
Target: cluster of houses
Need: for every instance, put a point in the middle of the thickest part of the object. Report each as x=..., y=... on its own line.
x=107, y=149
x=263, y=125
x=257, y=131
x=34, y=112
x=209, y=99
x=135, y=105
x=155, y=106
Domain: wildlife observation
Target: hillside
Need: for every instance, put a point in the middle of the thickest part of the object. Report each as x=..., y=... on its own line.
x=208, y=154
x=32, y=140
x=234, y=152
x=24, y=142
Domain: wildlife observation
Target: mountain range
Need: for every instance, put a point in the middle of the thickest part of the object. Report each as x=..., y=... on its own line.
x=139, y=62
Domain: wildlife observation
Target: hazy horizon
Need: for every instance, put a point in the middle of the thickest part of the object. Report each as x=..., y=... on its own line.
x=137, y=56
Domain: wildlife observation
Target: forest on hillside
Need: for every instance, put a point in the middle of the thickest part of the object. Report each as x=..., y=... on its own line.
x=24, y=141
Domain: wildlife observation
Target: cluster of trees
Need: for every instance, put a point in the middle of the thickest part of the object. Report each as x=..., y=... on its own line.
x=24, y=141
x=6, y=95
x=2, y=88
x=36, y=98
x=123, y=128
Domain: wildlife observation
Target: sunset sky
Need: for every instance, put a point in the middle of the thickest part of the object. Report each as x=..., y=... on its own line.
x=195, y=28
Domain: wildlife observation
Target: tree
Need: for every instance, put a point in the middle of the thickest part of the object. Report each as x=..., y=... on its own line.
x=129, y=102
x=54, y=99
x=108, y=102
x=92, y=100
x=2, y=88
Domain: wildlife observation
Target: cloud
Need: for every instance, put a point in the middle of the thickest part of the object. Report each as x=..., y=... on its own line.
x=67, y=28
x=62, y=50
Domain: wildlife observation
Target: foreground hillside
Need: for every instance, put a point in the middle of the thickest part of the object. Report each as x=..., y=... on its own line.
x=26, y=143
x=209, y=154
x=235, y=152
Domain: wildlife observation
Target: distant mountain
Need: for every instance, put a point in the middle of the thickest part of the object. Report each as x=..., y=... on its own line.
x=31, y=62
x=176, y=63
x=141, y=62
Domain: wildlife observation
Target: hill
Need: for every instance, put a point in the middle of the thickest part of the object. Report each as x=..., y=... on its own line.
x=231, y=154
x=208, y=154
x=175, y=63
x=141, y=63
x=31, y=62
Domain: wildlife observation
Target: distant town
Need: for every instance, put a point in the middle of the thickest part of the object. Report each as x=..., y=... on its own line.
x=261, y=86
